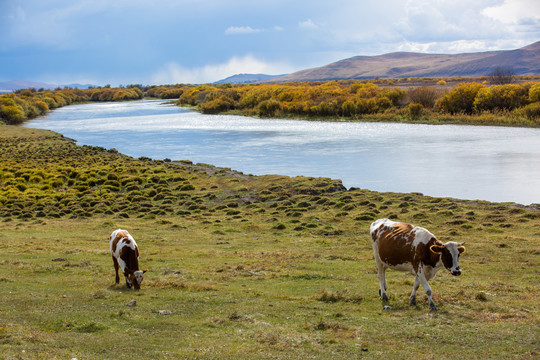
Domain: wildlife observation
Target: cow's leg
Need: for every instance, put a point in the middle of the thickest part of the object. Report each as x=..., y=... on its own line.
x=380, y=272
x=115, y=262
x=422, y=277
x=382, y=281
x=415, y=288
x=128, y=282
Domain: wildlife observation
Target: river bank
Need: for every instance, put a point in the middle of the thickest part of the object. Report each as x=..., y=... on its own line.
x=471, y=101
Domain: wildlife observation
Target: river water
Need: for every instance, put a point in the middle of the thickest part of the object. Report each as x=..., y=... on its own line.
x=467, y=162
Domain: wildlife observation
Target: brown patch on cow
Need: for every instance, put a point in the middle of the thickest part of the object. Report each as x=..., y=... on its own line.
x=130, y=258
x=426, y=255
x=395, y=243
x=396, y=247
x=119, y=236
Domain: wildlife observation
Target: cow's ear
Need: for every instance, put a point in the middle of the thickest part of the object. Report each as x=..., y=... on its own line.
x=461, y=249
x=437, y=249
x=144, y=271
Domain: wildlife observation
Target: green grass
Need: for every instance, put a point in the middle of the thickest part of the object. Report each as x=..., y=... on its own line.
x=243, y=266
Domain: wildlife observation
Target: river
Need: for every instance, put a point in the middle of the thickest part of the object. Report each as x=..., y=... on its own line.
x=498, y=164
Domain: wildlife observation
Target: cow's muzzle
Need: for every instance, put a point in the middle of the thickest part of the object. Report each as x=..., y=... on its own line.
x=456, y=272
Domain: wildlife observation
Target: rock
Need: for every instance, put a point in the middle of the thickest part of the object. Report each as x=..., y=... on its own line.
x=386, y=307
x=132, y=303
x=165, y=312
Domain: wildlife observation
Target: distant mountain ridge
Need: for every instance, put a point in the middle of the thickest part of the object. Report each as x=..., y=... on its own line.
x=7, y=86
x=523, y=61
x=247, y=78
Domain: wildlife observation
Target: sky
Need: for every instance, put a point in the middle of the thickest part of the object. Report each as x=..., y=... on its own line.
x=121, y=42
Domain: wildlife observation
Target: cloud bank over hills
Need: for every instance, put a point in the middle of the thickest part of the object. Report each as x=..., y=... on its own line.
x=136, y=41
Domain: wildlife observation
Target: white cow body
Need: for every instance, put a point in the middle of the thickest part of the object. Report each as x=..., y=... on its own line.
x=406, y=247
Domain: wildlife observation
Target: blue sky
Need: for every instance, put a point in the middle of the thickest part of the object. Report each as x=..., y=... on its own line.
x=190, y=41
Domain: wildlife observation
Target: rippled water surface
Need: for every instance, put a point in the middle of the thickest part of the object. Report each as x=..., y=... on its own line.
x=466, y=162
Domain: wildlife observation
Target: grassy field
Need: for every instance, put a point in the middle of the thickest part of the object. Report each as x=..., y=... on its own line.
x=241, y=266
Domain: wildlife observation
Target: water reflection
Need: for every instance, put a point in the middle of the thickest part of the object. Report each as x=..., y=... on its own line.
x=488, y=163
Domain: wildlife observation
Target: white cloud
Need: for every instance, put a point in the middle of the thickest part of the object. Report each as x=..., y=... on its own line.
x=514, y=11
x=458, y=46
x=308, y=25
x=177, y=74
x=241, y=30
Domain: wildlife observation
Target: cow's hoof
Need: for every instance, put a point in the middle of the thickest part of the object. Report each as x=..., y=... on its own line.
x=432, y=307
x=413, y=301
x=384, y=297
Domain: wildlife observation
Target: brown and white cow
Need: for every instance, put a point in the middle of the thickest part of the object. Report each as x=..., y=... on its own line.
x=125, y=254
x=406, y=247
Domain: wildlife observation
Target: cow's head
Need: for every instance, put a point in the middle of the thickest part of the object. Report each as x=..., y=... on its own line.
x=449, y=253
x=135, y=278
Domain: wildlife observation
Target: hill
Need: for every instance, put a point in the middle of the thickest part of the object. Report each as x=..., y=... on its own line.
x=8, y=86
x=247, y=78
x=523, y=61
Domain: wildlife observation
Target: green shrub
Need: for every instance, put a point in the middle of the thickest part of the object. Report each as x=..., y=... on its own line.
x=534, y=93
x=187, y=187
x=280, y=226
x=459, y=99
x=532, y=111
x=501, y=97
x=12, y=114
x=269, y=107
x=415, y=110
x=216, y=106
x=42, y=106
x=21, y=187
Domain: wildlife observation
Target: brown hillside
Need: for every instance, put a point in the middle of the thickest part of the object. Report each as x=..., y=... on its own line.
x=524, y=61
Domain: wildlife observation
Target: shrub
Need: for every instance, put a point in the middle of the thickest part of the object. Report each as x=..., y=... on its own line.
x=502, y=75
x=415, y=110
x=269, y=107
x=12, y=114
x=501, y=97
x=424, y=95
x=348, y=108
x=41, y=106
x=534, y=93
x=383, y=103
x=172, y=93
x=216, y=106
x=532, y=111
x=459, y=99
x=395, y=95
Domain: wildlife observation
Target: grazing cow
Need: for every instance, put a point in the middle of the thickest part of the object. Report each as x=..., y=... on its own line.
x=125, y=254
x=406, y=247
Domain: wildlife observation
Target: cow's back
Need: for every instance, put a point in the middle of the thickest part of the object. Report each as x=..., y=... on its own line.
x=394, y=242
x=116, y=243
x=400, y=245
